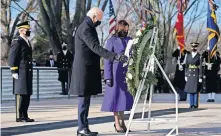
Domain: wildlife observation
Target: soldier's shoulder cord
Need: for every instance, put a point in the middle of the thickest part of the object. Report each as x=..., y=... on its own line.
x=15, y=40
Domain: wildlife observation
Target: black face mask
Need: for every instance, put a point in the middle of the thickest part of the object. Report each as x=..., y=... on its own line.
x=28, y=33
x=64, y=48
x=97, y=23
x=122, y=34
x=194, y=49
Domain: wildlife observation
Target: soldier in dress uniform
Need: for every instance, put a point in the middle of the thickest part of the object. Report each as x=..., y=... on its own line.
x=20, y=62
x=64, y=60
x=211, y=69
x=193, y=75
x=179, y=78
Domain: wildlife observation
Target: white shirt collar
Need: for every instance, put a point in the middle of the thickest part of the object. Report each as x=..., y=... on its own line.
x=193, y=54
x=65, y=52
x=26, y=39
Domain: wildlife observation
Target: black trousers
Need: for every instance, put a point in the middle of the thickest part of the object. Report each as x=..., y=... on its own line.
x=83, y=109
x=22, y=104
x=64, y=90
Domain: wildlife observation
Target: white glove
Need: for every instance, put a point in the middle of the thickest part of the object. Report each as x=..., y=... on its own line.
x=178, y=47
x=180, y=67
x=185, y=78
x=15, y=76
x=200, y=80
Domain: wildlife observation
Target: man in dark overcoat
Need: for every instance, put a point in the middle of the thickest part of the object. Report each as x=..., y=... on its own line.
x=20, y=62
x=179, y=78
x=86, y=74
x=212, y=67
x=51, y=61
x=193, y=75
x=64, y=60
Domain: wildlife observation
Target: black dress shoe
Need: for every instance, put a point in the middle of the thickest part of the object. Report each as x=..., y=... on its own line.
x=209, y=100
x=24, y=120
x=195, y=107
x=92, y=132
x=28, y=120
x=86, y=132
x=63, y=93
x=212, y=100
x=19, y=120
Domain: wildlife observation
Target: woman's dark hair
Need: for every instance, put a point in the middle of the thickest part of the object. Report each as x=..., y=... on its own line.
x=123, y=22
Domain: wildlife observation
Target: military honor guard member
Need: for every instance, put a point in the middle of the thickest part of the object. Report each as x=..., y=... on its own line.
x=212, y=67
x=64, y=60
x=193, y=75
x=20, y=62
x=179, y=78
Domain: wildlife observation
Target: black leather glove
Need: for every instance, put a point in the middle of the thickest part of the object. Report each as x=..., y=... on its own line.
x=109, y=82
x=120, y=57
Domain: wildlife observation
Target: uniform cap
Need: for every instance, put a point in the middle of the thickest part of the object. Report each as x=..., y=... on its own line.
x=23, y=25
x=64, y=44
x=194, y=44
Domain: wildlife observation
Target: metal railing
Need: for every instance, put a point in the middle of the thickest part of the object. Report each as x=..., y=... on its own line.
x=38, y=69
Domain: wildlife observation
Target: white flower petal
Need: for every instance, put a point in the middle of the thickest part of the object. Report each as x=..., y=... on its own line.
x=131, y=61
x=135, y=41
x=129, y=75
x=138, y=33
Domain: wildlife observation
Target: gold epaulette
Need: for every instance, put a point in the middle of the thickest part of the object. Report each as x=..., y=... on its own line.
x=14, y=68
x=193, y=66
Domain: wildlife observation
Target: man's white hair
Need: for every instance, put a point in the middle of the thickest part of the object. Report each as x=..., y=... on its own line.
x=94, y=11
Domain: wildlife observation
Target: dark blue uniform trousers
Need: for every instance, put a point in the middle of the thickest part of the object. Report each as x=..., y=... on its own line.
x=83, y=109
x=194, y=99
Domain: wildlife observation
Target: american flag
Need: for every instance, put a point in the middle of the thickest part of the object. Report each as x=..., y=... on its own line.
x=112, y=20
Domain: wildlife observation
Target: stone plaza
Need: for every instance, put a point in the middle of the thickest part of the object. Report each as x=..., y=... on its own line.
x=58, y=117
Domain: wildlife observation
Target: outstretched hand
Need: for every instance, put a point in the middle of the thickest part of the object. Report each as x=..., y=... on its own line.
x=122, y=58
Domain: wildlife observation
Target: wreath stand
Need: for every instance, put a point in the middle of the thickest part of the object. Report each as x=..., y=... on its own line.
x=149, y=67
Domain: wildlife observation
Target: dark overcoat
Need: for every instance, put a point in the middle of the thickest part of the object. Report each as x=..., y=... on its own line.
x=20, y=61
x=86, y=74
x=64, y=61
x=179, y=78
x=193, y=73
x=48, y=64
x=211, y=76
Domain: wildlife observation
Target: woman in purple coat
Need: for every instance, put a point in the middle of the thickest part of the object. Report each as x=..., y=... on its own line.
x=117, y=99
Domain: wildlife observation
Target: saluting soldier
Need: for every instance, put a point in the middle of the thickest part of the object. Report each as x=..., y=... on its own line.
x=179, y=78
x=20, y=62
x=212, y=67
x=64, y=60
x=193, y=75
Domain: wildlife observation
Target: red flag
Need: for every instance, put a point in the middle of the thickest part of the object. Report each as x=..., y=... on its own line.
x=180, y=31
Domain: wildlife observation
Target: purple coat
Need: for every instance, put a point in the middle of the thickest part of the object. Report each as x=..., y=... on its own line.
x=116, y=98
